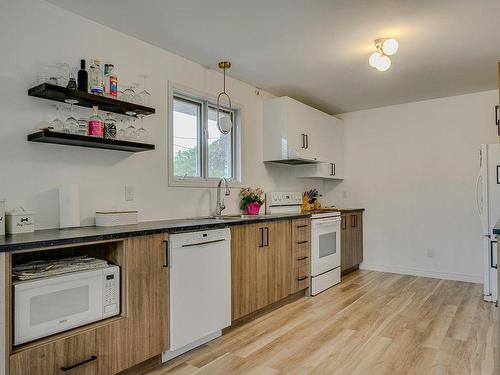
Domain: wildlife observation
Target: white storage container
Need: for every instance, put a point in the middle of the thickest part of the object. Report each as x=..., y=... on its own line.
x=112, y=218
x=2, y=217
x=19, y=221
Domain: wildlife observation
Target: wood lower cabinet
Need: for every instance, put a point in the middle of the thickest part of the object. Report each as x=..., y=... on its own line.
x=140, y=333
x=260, y=266
x=351, y=240
x=144, y=333
x=301, y=255
x=76, y=355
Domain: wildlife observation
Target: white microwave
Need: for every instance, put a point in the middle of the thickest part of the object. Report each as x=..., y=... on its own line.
x=46, y=306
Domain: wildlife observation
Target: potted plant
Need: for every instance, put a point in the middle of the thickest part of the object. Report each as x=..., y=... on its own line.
x=251, y=200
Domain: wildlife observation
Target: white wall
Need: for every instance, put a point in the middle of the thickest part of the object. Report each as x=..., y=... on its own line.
x=33, y=33
x=413, y=167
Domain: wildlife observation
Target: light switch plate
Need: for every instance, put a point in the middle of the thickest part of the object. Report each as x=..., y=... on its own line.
x=129, y=193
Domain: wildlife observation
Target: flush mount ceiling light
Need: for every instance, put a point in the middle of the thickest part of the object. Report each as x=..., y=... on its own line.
x=224, y=122
x=385, y=47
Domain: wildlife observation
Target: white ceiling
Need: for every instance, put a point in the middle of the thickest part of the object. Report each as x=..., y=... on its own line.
x=316, y=51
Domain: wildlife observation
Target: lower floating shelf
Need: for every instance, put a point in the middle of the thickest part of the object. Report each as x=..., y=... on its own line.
x=47, y=136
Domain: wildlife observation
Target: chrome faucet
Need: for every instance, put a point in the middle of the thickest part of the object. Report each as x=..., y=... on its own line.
x=220, y=199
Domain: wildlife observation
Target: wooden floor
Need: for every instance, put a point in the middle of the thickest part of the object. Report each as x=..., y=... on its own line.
x=372, y=323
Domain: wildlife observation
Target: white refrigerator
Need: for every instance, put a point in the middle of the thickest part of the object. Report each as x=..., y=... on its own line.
x=487, y=196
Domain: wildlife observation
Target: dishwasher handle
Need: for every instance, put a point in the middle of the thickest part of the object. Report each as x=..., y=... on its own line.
x=203, y=243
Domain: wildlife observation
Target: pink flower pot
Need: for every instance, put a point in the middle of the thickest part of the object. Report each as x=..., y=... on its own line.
x=253, y=208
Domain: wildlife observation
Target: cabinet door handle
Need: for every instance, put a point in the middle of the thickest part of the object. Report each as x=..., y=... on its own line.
x=303, y=140
x=167, y=258
x=497, y=122
x=301, y=242
x=302, y=278
x=354, y=221
x=267, y=236
x=261, y=243
x=303, y=226
x=491, y=255
x=307, y=141
x=333, y=169
x=303, y=258
x=93, y=358
x=343, y=223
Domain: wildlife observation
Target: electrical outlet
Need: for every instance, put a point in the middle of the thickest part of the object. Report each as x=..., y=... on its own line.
x=430, y=253
x=129, y=193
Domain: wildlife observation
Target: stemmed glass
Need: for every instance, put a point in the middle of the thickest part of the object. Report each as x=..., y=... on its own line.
x=136, y=98
x=128, y=93
x=142, y=133
x=144, y=94
x=56, y=124
x=130, y=132
x=71, y=123
x=120, y=133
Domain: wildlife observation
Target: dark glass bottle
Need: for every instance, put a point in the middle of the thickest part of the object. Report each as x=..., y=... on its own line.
x=83, y=77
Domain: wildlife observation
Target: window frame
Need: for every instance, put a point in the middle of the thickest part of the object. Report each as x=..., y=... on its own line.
x=183, y=93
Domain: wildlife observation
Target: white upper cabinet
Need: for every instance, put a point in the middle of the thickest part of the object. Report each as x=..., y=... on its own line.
x=297, y=134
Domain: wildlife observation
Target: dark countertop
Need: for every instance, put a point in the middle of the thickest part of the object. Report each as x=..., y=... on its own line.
x=335, y=209
x=57, y=237
x=496, y=228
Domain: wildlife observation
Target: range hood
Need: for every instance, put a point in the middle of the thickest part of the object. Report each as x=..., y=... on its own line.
x=294, y=161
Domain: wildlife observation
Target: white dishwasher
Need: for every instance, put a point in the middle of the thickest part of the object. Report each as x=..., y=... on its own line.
x=200, y=288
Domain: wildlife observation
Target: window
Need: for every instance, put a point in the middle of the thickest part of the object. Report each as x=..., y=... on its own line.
x=199, y=153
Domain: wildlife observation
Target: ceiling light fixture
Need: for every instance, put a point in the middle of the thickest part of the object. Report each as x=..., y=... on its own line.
x=224, y=122
x=385, y=47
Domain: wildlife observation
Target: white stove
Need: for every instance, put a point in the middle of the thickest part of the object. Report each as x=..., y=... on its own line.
x=325, y=238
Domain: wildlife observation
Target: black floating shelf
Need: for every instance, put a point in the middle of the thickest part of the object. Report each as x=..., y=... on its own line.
x=106, y=104
x=47, y=136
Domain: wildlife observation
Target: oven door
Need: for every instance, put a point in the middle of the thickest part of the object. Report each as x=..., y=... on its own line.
x=325, y=246
x=46, y=306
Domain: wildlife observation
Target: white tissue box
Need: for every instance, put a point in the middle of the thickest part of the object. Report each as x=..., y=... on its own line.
x=19, y=221
x=112, y=218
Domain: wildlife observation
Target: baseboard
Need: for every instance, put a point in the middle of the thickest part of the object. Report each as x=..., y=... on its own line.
x=476, y=279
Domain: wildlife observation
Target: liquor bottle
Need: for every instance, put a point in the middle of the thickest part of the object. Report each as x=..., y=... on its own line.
x=111, y=81
x=109, y=127
x=95, y=124
x=83, y=77
x=96, y=78
x=106, y=79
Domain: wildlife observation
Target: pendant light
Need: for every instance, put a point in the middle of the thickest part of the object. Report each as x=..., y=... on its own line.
x=224, y=123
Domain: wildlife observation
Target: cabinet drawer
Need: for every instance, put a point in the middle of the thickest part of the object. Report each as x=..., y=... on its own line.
x=301, y=230
x=301, y=247
x=300, y=260
x=75, y=355
x=301, y=278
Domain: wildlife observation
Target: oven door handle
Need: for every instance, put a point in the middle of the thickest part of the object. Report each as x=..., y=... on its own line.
x=317, y=222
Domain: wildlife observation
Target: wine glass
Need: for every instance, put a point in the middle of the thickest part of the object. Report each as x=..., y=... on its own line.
x=144, y=94
x=56, y=124
x=142, y=133
x=128, y=93
x=136, y=98
x=130, y=132
x=120, y=133
x=63, y=73
x=71, y=123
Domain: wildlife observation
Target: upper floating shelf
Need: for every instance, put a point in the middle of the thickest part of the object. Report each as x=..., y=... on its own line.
x=106, y=104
